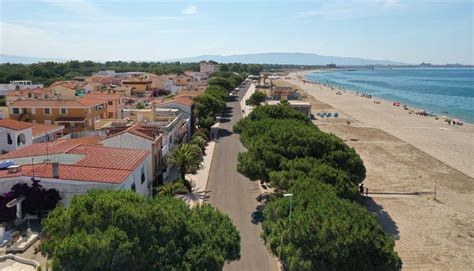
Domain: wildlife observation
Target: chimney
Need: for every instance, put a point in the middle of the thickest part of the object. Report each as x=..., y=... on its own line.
x=55, y=166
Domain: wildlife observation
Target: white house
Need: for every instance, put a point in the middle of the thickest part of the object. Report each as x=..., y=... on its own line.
x=14, y=134
x=73, y=169
x=186, y=106
x=141, y=137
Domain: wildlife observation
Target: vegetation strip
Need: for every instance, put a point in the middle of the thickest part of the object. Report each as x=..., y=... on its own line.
x=328, y=228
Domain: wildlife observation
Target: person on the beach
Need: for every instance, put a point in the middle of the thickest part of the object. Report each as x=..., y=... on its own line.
x=361, y=189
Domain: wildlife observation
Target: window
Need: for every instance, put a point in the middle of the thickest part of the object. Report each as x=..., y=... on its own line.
x=133, y=188
x=110, y=103
x=143, y=175
x=63, y=111
x=16, y=111
x=21, y=140
x=47, y=111
x=9, y=139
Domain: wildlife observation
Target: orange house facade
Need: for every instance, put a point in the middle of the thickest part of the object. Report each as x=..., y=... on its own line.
x=75, y=115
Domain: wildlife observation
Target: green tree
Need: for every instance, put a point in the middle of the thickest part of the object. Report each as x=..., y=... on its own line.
x=172, y=189
x=325, y=232
x=200, y=142
x=208, y=104
x=187, y=158
x=120, y=230
x=256, y=98
x=221, y=81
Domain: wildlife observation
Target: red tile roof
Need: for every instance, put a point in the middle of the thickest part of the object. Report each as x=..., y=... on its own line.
x=42, y=129
x=148, y=132
x=40, y=149
x=109, y=157
x=179, y=100
x=88, y=140
x=100, y=164
x=104, y=96
x=14, y=124
x=77, y=103
x=71, y=172
x=67, y=84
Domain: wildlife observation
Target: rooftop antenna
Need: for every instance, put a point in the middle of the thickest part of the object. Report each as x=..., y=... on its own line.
x=33, y=167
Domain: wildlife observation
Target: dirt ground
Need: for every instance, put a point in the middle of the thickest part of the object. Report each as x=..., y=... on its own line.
x=430, y=234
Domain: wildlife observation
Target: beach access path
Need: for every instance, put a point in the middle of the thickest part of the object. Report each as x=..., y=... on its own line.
x=235, y=195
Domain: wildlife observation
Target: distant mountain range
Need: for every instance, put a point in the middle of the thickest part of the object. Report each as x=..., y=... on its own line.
x=288, y=59
x=27, y=59
x=264, y=58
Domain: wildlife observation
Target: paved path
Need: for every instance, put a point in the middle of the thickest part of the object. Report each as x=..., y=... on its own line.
x=235, y=195
x=200, y=178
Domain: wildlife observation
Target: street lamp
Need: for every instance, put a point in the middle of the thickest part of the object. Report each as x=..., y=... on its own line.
x=291, y=207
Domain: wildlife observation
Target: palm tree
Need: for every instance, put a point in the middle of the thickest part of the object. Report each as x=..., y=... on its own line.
x=172, y=189
x=188, y=157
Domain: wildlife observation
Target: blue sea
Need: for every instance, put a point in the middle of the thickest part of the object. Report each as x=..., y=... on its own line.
x=432, y=89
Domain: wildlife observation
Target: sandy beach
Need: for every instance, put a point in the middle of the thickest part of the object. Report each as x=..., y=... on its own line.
x=407, y=157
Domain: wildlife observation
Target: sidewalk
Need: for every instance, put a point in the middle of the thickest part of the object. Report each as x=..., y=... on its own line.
x=198, y=195
x=247, y=109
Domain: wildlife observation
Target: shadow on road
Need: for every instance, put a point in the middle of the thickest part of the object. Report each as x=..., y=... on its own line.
x=223, y=133
x=257, y=215
x=388, y=224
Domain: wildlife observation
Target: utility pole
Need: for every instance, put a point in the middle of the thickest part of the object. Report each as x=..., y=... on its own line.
x=291, y=208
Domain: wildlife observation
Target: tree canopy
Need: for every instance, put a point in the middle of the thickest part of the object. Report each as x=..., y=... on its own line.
x=256, y=98
x=120, y=230
x=326, y=232
x=49, y=72
x=38, y=200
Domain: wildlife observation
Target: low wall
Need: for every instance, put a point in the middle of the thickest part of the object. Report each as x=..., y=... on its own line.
x=33, y=263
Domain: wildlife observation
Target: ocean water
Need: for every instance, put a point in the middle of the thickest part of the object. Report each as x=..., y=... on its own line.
x=432, y=89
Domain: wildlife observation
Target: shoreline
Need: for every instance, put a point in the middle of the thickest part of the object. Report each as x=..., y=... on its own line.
x=453, y=145
x=303, y=74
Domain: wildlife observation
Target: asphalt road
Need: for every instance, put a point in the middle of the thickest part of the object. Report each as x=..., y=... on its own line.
x=235, y=195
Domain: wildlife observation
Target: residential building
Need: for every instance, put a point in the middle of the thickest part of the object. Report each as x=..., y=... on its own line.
x=282, y=92
x=16, y=134
x=75, y=115
x=303, y=107
x=186, y=105
x=140, y=85
x=208, y=67
x=65, y=89
x=141, y=137
x=44, y=133
x=29, y=94
x=172, y=128
x=115, y=103
x=74, y=169
x=24, y=84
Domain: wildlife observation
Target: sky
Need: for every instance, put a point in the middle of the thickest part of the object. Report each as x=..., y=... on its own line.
x=411, y=31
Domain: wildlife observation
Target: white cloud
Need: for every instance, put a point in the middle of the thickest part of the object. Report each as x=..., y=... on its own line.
x=190, y=10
